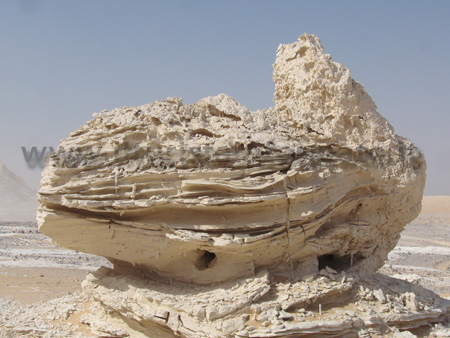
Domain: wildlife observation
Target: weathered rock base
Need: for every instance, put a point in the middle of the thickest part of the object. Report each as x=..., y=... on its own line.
x=329, y=304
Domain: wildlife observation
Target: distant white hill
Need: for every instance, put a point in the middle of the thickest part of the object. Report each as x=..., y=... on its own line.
x=18, y=202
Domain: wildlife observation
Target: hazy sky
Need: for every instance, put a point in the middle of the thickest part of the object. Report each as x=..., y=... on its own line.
x=61, y=61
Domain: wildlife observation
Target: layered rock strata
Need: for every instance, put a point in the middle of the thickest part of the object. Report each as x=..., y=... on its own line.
x=212, y=193
x=331, y=304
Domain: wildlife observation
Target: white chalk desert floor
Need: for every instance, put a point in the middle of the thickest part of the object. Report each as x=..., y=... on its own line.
x=39, y=281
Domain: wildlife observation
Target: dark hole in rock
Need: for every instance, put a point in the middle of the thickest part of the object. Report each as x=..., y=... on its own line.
x=422, y=331
x=202, y=132
x=205, y=259
x=338, y=263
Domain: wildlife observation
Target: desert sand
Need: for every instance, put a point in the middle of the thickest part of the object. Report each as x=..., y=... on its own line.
x=32, y=269
x=435, y=204
x=424, y=247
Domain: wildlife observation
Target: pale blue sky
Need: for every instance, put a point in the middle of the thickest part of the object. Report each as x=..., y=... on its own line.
x=61, y=61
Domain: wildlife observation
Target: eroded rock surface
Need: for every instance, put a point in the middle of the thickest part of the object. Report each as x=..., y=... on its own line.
x=203, y=195
x=331, y=304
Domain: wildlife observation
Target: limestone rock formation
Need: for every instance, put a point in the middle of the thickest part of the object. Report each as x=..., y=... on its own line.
x=206, y=210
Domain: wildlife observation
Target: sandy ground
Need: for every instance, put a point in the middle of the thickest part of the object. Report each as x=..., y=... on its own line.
x=33, y=269
x=424, y=247
x=435, y=204
x=30, y=285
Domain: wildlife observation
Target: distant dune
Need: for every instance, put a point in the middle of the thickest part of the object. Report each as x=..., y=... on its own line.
x=18, y=202
x=435, y=204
